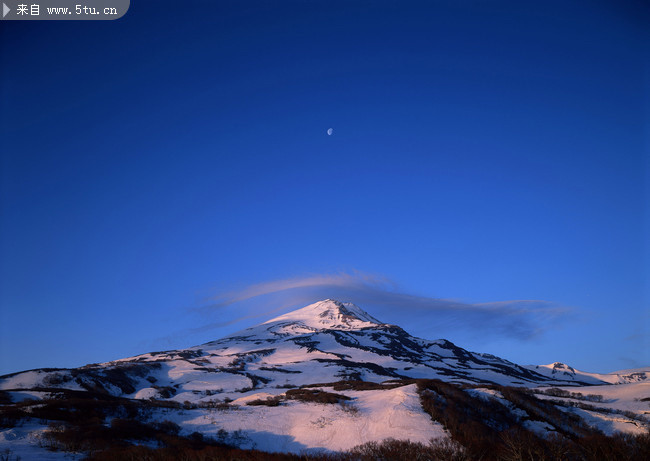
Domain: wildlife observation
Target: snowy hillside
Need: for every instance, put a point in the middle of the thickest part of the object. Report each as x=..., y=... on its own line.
x=311, y=380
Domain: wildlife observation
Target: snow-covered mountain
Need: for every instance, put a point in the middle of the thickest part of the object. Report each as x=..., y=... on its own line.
x=329, y=346
x=564, y=371
x=324, y=342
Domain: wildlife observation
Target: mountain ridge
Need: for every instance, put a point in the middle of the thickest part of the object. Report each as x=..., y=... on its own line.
x=326, y=341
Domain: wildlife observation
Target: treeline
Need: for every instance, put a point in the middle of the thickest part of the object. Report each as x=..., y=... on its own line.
x=556, y=392
x=488, y=429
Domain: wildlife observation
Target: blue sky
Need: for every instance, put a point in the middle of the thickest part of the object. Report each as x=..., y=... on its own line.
x=482, y=152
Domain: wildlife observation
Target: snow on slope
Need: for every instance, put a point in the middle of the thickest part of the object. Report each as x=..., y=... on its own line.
x=23, y=443
x=617, y=408
x=301, y=426
x=560, y=370
x=328, y=314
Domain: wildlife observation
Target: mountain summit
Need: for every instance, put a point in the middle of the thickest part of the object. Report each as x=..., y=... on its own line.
x=327, y=314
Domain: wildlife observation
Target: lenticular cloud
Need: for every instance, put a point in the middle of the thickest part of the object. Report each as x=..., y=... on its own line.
x=519, y=319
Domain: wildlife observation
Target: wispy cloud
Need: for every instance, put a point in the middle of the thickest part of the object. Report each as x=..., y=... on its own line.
x=514, y=319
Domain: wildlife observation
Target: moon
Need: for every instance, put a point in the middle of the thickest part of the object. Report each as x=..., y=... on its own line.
x=330, y=131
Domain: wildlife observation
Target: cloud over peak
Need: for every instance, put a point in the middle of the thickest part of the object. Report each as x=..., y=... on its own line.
x=382, y=298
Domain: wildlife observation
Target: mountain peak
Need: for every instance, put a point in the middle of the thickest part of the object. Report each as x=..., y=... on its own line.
x=328, y=314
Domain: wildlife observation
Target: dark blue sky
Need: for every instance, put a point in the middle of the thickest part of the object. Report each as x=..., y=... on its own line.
x=482, y=151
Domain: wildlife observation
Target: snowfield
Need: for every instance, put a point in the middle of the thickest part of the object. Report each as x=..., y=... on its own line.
x=304, y=426
x=24, y=443
x=623, y=407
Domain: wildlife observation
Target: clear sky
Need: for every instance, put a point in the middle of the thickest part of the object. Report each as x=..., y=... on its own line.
x=158, y=169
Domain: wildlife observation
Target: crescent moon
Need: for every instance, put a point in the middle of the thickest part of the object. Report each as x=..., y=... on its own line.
x=330, y=131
